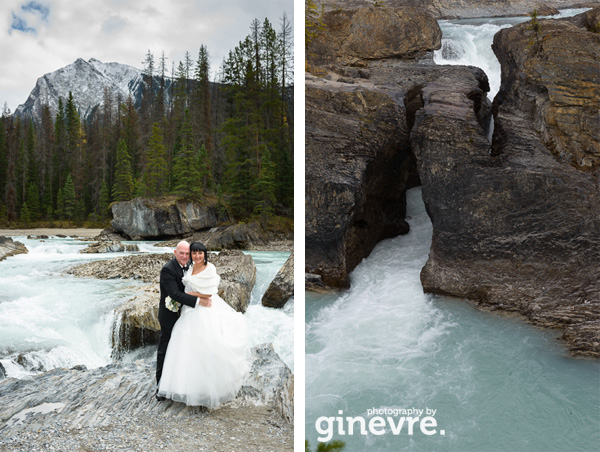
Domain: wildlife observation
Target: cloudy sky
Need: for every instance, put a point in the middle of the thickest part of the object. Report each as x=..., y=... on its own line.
x=41, y=36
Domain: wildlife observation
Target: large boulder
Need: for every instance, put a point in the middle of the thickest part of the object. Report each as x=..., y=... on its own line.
x=143, y=218
x=8, y=248
x=238, y=236
x=375, y=33
x=282, y=287
x=238, y=276
x=136, y=323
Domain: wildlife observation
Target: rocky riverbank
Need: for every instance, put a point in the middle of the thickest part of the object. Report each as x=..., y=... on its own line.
x=114, y=408
x=515, y=218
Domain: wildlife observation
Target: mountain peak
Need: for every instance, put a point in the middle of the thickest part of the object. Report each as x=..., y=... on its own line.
x=87, y=81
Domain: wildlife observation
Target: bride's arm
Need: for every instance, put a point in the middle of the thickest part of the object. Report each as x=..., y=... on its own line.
x=205, y=300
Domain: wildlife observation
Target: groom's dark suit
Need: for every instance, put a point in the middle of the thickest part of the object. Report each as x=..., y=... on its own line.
x=170, y=285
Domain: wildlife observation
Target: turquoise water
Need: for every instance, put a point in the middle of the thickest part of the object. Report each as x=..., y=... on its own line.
x=496, y=383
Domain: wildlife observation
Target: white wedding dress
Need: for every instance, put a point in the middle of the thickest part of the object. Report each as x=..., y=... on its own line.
x=206, y=357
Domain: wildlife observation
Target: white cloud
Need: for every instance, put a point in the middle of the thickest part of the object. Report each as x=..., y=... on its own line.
x=118, y=30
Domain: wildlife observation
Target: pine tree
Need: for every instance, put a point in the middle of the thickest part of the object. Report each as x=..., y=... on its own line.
x=33, y=201
x=69, y=198
x=265, y=188
x=123, y=187
x=3, y=161
x=155, y=175
x=104, y=201
x=203, y=109
x=186, y=173
x=25, y=215
x=60, y=205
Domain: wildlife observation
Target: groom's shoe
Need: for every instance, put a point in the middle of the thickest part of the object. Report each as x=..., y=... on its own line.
x=159, y=397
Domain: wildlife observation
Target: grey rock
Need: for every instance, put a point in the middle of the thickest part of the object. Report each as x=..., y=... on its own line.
x=109, y=246
x=8, y=248
x=94, y=398
x=238, y=276
x=239, y=236
x=282, y=287
x=2, y=371
x=143, y=218
x=145, y=267
x=109, y=234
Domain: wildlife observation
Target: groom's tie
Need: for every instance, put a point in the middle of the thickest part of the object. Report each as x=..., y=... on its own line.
x=185, y=268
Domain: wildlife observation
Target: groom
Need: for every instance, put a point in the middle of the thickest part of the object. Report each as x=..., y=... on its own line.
x=171, y=285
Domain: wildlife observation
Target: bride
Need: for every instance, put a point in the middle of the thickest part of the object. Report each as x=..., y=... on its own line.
x=206, y=357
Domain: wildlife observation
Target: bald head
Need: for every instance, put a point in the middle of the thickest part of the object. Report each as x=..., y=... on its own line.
x=182, y=252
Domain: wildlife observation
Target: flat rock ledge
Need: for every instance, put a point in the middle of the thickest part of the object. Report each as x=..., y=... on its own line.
x=8, y=248
x=114, y=406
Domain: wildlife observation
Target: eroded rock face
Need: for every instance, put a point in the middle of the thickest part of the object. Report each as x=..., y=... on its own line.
x=136, y=322
x=517, y=225
x=553, y=78
x=358, y=157
x=282, y=287
x=354, y=167
x=143, y=218
x=8, y=248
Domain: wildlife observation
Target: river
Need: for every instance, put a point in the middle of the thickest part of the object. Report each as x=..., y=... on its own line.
x=495, y=382
x=49, y=319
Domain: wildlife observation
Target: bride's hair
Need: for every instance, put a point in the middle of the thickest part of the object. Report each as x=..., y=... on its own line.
x=199, y=246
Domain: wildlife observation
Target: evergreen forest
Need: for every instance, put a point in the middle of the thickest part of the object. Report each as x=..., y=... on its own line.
x=226, y=142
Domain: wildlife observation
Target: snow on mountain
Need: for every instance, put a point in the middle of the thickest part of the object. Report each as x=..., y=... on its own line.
x=86, y=80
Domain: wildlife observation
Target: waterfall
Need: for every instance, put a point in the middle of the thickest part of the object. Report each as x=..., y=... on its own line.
x=468, y=42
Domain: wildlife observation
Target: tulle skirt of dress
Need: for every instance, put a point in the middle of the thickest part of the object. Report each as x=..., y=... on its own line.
x=206, y=357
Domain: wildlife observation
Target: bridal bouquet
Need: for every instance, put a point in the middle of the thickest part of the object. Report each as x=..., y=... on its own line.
x=171, y=304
